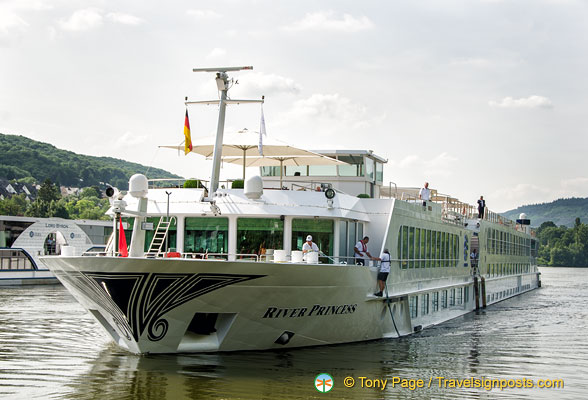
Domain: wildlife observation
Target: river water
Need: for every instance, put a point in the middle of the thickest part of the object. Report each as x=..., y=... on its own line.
x=51, y=348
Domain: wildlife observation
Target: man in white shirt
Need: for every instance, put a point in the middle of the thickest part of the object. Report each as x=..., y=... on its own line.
x=361, y=251
x=425, y=194
x=309, y=246
x=384, y=271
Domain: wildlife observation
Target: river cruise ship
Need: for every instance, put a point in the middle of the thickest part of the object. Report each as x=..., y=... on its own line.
x=216, y=269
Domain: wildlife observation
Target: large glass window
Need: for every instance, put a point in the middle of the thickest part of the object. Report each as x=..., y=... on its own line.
x=417, y=249
x=355, y=167
x=321, y=231
x=379, y=172
x=322, y=170
x=444, y=299
x=425, y=304
x=411, y=246
x=254, y=235
x=206, y=235
x=370, y=169
x=413, y=306
x=270, y=171
x=295, y=170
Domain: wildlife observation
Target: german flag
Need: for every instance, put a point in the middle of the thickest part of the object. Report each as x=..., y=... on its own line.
x=188, y=141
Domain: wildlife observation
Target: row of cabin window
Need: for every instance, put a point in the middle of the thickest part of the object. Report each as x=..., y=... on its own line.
x=449, y=298
x=499, y=242
x=426, y=248
x=501, y=269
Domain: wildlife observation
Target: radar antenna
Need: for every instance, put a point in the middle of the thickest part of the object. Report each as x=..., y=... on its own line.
x=222, y=83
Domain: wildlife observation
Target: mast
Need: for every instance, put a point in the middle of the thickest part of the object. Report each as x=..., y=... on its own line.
x=223, y=84
x=222, y=80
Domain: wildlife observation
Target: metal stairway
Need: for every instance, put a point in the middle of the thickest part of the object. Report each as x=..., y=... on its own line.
x=158, y=241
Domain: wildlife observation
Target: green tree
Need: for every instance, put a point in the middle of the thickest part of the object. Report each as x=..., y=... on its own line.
x=57, y=209
x=93, y=191
x=38, y=208
x=15, y=205
x=192, y=183
x=49, y=191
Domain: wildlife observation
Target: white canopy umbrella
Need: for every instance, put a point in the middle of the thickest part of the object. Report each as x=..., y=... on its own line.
x=310, y=158
x=242, y=147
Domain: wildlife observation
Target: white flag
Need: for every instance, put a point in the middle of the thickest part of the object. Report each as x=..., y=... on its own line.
x=261, y=133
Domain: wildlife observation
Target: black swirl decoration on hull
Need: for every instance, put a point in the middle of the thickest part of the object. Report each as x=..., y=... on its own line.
x=139, y=301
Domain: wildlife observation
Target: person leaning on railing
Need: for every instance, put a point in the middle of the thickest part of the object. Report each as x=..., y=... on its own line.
x=361, y=251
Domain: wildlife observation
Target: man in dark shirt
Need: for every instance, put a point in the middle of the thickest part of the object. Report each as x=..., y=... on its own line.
x=481, y=207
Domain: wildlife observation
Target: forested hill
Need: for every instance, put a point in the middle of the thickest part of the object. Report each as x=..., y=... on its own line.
x=560, y=212
x=25, y=159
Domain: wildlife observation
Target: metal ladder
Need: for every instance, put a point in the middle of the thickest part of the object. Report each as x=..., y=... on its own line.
x=158, y=240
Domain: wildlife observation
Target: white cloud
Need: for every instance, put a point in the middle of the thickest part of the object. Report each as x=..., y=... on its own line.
x=522, y=193
x=82, y=20
x=442, y=165
x=125, y=19
x=471, y=62
x=331, y=118
x=130, y=140
x=574, y=187
x=525, y=102
x=92, y=18
x=328, y=106
x=204, y=14
x=216, y=52
x=258, y=83
x=11, y=24
x=327, y=21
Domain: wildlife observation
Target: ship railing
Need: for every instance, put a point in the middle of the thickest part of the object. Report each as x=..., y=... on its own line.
x=334, y=260
x=222, y=256
x=165, y=183
x=416, y=263
x=302, y=185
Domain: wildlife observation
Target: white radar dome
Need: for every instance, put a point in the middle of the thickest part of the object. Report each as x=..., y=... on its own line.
x=254, y=187
x=138, y=185
x=523, y=216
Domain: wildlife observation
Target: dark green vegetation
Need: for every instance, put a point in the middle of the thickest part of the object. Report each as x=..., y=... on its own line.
x=562, y=246
x=192, y=183
x=89, y=204
x=31, y=161
x=560, y=212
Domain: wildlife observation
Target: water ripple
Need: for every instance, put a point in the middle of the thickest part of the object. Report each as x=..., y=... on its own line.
x=52, y=349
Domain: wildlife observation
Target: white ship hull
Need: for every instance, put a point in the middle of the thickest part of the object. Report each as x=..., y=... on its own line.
x=180, y=305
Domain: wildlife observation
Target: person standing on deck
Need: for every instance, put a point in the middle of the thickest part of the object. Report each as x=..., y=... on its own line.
x=481, y=207
x=309, y=246
x=361, y=251
x=384, y=271
x=425, y=194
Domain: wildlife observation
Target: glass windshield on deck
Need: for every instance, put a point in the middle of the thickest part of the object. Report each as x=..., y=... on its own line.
x=206, y=235
x=255, y=235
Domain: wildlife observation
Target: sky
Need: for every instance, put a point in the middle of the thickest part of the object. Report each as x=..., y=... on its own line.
x=477, y=97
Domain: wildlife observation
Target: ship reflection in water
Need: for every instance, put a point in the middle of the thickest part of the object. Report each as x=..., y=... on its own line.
x=51, y=348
